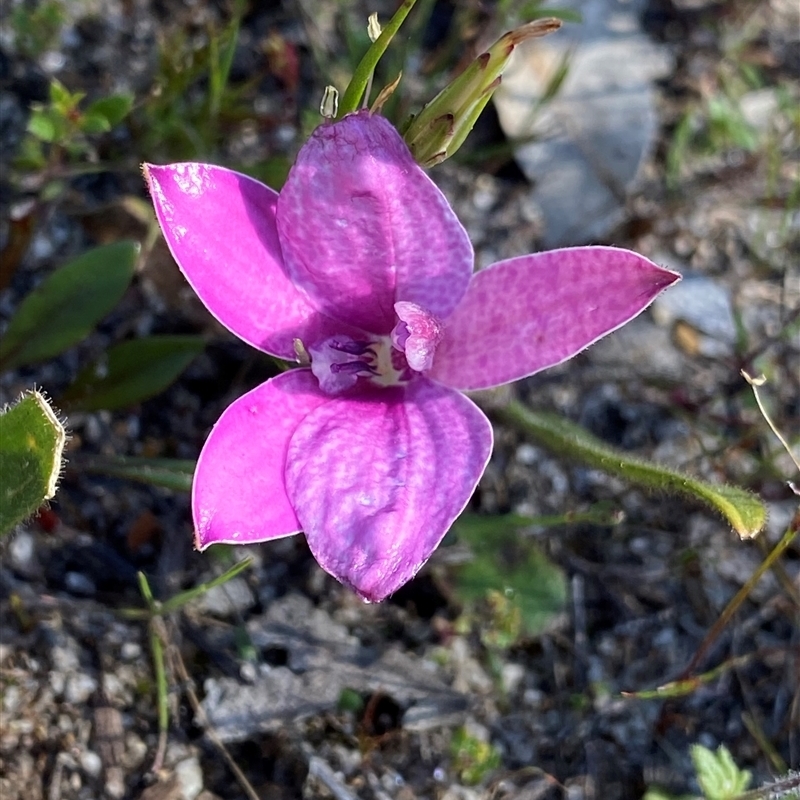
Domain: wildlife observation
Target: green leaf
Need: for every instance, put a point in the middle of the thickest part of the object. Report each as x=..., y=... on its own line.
x=68, y=304
x=511, y=565
x=61, y=96
x=170, y=473
x=31, y=447
x=114, y=108
x=94, y=123
x=42, y=125
x=743, y=510
x=717, y=773
x=361, y=77
x=132, y=371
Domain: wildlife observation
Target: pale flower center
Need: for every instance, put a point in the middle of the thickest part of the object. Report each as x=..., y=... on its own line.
x=340, y=362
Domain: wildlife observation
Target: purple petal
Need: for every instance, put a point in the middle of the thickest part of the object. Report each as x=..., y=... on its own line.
x=220, y=227
x=239, y=494
x=362, y=226
x=525, y=314
x=378, y=479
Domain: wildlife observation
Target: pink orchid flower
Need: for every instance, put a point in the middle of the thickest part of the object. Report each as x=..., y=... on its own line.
x=360, y=264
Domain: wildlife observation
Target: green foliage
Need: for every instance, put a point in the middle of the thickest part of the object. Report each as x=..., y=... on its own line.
x=509, y=585
x=184, y=116
x=473, y=759
x=744, y=511
x=132, y=371
x=366, y=67
x=31, y=446
x=68, y=304
x=63, y=124
x=717, y=773
x=169, y=473
x=350, y=701
x=36, y=29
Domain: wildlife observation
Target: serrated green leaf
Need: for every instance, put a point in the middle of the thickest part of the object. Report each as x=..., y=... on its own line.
x=68, y=304
x=743, y=510
x=114, y=108
x=31, y=447
x=170, y=473
x=131, y=372
x=717, y=773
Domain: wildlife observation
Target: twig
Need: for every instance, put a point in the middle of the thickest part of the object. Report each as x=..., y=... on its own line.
x=321, y=771
x=737, y=600
x=176, y=661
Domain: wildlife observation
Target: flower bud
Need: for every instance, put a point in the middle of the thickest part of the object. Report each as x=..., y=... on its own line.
x=444, y=123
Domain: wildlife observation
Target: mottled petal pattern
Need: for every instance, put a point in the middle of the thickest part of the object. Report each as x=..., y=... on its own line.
x=220, y=227
x=528, y=313
x=377, y=480
x=362, y=226
x=238, y=495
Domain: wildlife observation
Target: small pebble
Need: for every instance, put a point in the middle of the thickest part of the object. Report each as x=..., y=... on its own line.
x=230, y=598
x=190, y=776
x=21, y=550
x=79, y=584
x=80, y=687
x=130, y=651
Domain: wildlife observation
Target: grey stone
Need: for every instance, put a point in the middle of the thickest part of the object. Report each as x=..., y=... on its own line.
x=322, y=659
x=233, y=597
x=701, y=302
x=590, y=140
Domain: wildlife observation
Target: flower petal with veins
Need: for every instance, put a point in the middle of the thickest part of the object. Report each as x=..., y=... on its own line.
x=377, y=480
x=526, y=314
x=220, y=227
x=362, y=226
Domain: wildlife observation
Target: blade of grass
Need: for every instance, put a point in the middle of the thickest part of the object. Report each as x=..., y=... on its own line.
x=181, y=599
x=361, y=77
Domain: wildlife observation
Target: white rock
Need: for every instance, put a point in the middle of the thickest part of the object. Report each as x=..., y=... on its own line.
x=190, y=777
x=759, y=107
x=91, y=763
x=80, y=687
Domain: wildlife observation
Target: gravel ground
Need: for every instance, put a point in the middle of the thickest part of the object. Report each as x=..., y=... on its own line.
x=263, y=667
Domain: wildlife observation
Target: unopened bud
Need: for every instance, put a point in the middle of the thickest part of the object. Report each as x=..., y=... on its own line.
x=373, y=28
x=444, y=123
x=330, y=102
